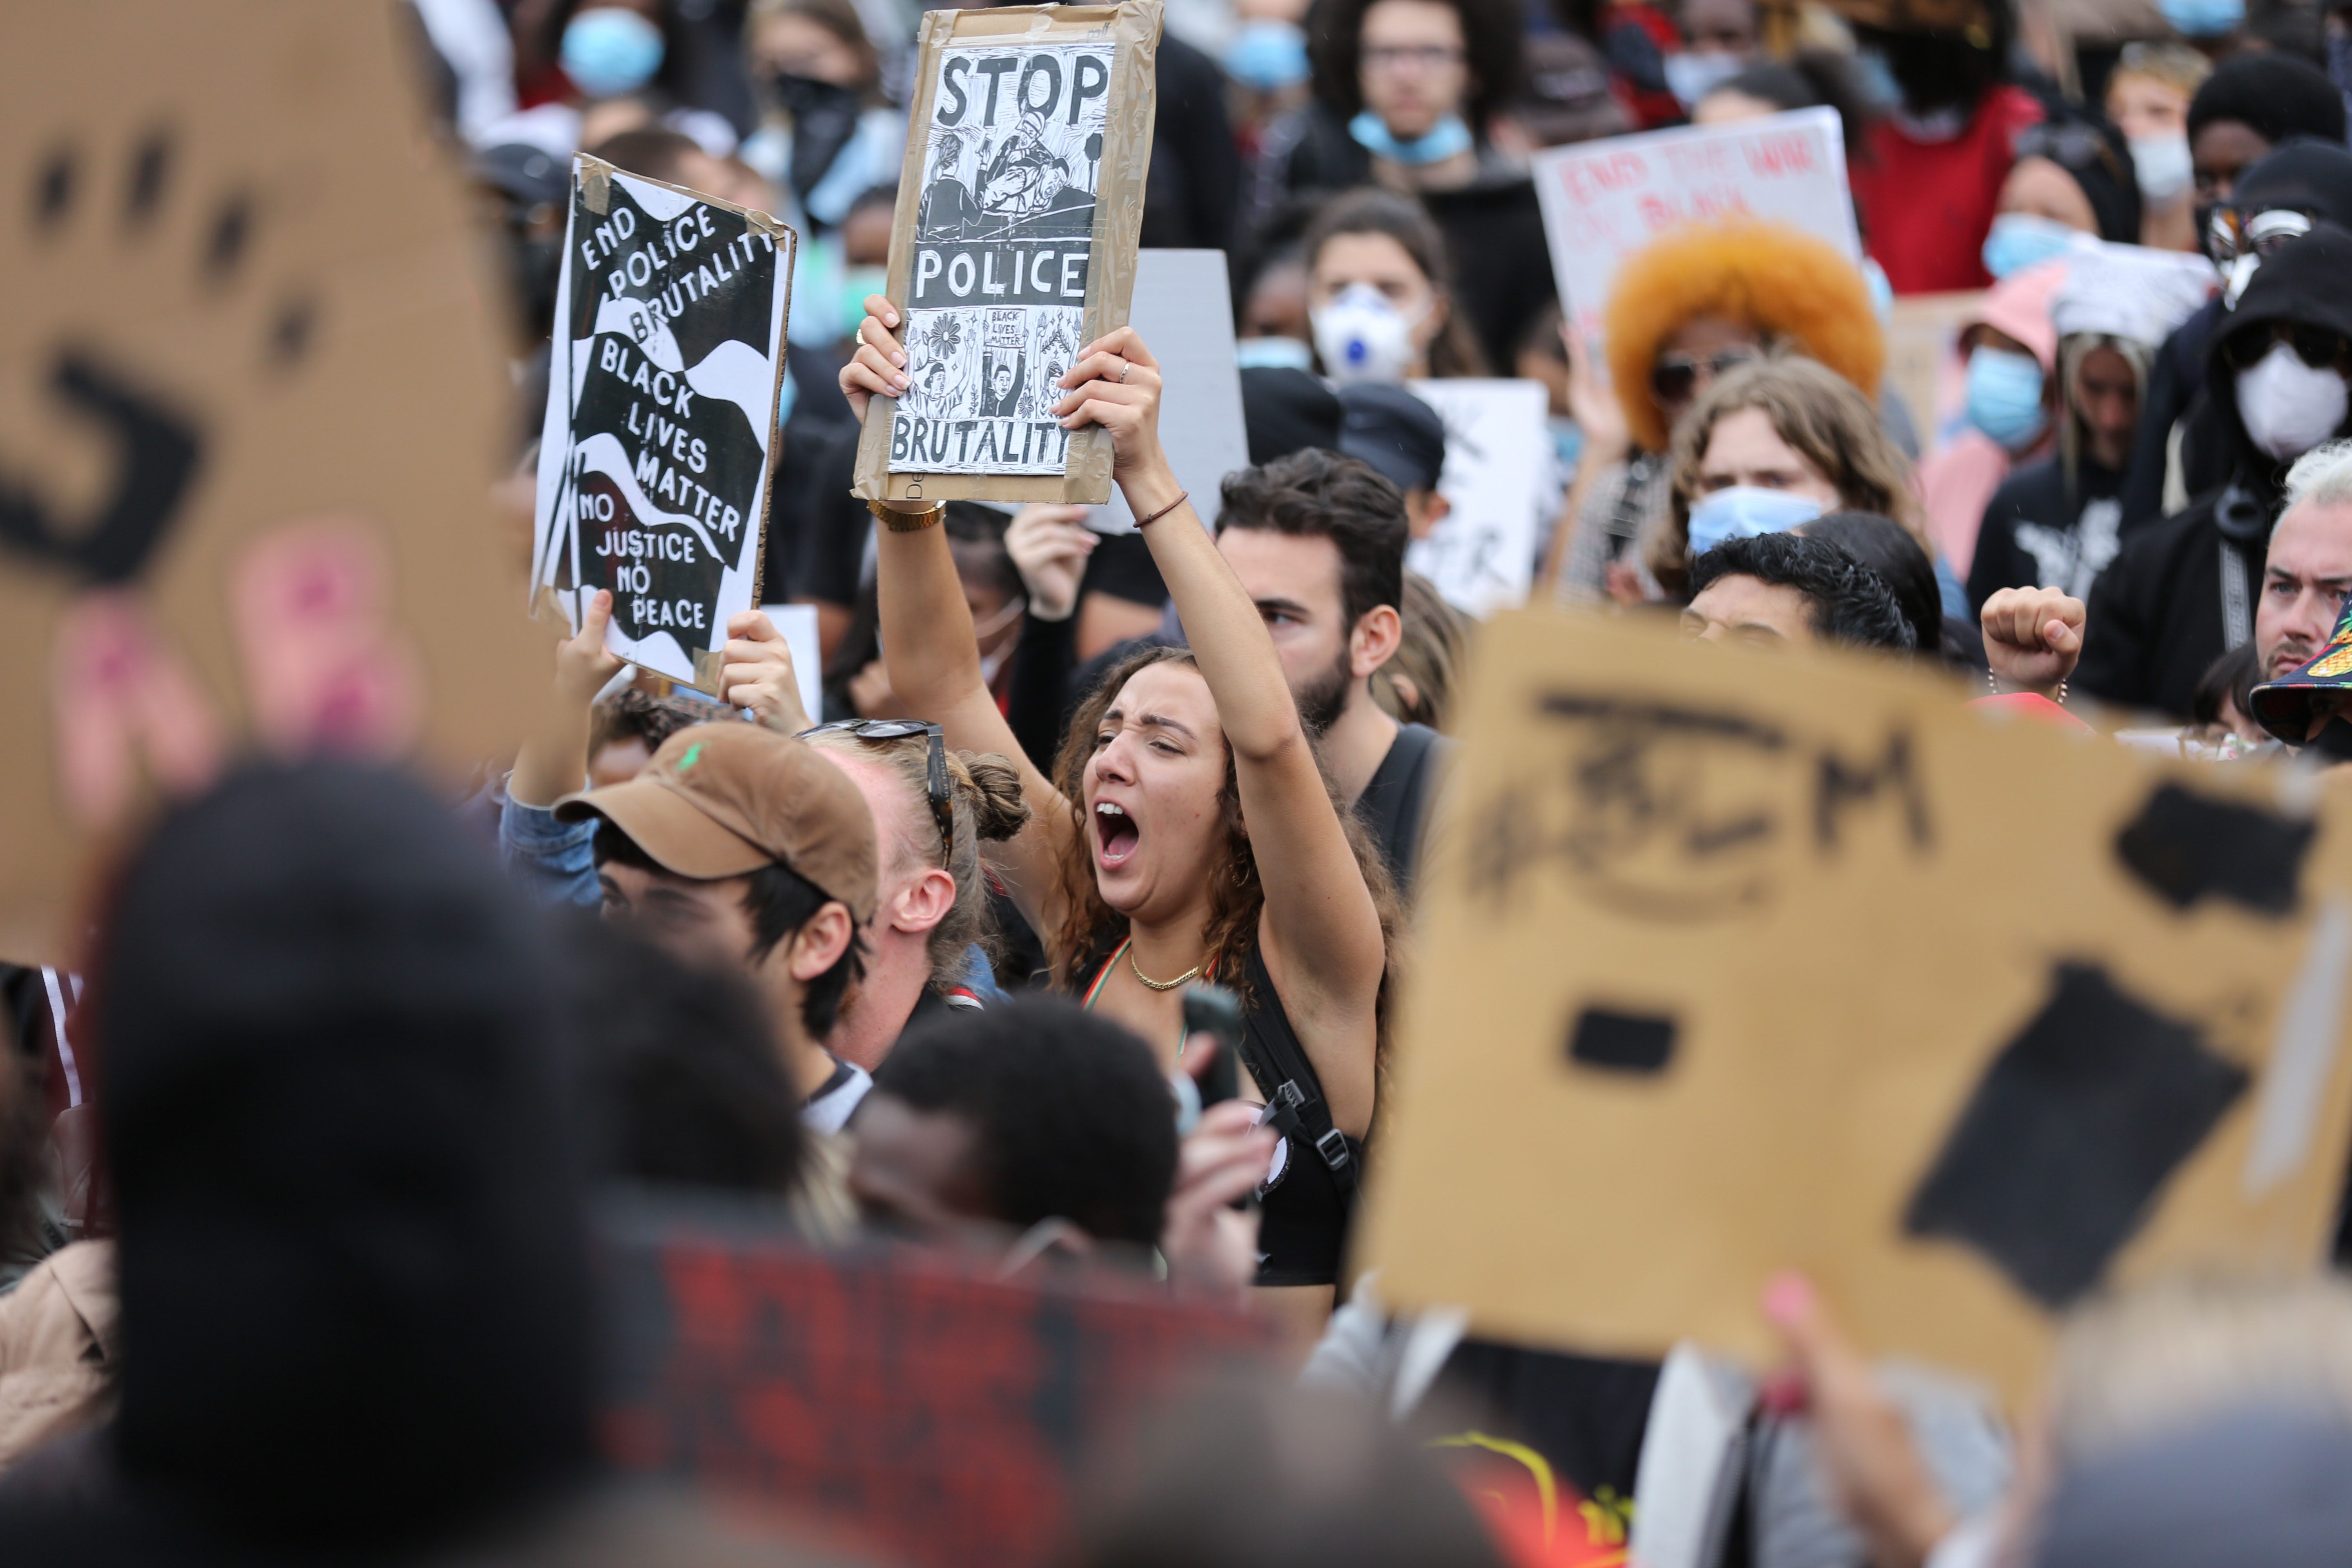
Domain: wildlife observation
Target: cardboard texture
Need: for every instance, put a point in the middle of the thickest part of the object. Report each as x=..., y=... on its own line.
x=1604, y=200
x=1732, y=962
x=250, y=411
x=991, y=234
x=662, y=401
x=939, y=1418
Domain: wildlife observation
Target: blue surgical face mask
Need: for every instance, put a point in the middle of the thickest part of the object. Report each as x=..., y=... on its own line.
x=1444, y=139
x=856, y=282
x=2020, y=240
x=1267, y=55
x=1693, y=76
x=1272, y=353
x=1882, y=292
x=1567, y=441
x=608, y=51
x=2005, y=398
x=1876, y=79
x=1743, y=511
x=2203, y=18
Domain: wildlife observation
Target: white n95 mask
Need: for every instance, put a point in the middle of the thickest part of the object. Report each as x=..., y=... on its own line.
x=1362, y=337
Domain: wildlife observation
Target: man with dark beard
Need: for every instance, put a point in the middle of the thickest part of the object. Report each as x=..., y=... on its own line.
x=1319, y=539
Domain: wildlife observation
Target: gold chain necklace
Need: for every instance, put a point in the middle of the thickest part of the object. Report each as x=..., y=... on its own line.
x=1158, y=984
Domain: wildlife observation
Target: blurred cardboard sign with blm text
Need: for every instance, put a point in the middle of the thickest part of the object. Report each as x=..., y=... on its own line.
x=1730, y=964
x=250, y=409
x=1602, y=201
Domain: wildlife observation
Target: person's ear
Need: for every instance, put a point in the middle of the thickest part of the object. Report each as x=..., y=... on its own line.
x=924, y=902
x=1423, y=511
x=818, y=945
x=1374, y=641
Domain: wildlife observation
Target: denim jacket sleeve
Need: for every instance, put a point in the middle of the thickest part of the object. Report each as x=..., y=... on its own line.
x=552, y=860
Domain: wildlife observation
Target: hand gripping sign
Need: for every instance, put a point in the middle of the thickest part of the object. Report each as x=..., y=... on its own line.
x=661, y=414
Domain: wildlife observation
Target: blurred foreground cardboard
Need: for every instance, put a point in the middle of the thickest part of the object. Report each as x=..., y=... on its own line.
x=1734, y=963
x=251, y=405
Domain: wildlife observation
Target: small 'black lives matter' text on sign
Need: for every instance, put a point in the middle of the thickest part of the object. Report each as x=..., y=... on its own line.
x=661, y=409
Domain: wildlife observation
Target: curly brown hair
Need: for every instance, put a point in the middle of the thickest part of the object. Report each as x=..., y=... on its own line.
x=1091, y=930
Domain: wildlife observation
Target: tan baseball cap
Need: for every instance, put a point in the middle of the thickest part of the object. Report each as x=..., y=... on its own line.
x=725, y=799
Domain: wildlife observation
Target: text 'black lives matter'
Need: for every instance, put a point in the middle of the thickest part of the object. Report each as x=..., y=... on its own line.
x=2186, y=847
x=2062, y=1151
x=674, y=315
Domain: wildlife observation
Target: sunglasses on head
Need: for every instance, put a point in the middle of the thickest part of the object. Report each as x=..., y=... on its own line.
x=941, y=797
x=1676, y=376
x=2314, y=346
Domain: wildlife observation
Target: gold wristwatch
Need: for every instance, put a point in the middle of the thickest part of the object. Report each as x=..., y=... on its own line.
x=899, y=521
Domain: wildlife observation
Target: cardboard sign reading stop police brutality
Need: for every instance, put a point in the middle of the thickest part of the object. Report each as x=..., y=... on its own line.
x=661, y=411
x=1015, y=247
x=249, y=413
x=1733, y=963
x=1604, y=200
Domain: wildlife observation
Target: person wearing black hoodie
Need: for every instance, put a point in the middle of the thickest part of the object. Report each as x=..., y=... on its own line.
x=355, y=1311
x=2168, y=607
x=2305, y=177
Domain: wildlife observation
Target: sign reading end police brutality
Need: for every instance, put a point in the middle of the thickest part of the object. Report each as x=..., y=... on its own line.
x=1604, y=200
x=1022, y=180
x=661, y=409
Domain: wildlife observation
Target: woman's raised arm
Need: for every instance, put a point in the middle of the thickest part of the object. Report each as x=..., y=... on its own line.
x=1320, y=929
x=933, y=657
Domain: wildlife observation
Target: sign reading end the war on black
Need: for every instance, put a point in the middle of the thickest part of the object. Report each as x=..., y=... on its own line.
x=1018, y=216
x=661, y=410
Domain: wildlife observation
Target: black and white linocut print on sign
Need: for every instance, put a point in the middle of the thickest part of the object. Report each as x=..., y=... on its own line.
x=1004, y=240
x=653, y=463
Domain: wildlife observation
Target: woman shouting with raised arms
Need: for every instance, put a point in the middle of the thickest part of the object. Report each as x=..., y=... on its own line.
x=1186, y=829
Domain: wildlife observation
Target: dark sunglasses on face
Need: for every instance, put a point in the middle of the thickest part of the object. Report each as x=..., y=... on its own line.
x=943, y=798
x=1676, y=376
x=2235, y=232
x=2314, y=346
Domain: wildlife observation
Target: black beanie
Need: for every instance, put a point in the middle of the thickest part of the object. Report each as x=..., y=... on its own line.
x=2274, y=96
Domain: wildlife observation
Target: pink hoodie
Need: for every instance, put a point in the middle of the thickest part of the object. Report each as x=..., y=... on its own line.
x=1957, y=482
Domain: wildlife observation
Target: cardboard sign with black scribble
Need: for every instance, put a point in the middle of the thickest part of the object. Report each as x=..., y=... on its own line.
x=1014, y=247
x=252, y=402
x=1732, y=962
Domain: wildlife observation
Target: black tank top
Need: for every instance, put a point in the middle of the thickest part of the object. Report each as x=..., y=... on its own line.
x=1305, y=1206
x=1305, y=1202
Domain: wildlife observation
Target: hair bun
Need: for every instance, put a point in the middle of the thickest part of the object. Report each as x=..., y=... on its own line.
x=997, y=808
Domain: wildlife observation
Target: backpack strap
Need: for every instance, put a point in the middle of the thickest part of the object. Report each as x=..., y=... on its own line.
x=1293, y=1099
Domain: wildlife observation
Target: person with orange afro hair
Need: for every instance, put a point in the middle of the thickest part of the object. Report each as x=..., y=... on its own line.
x=1701, y=300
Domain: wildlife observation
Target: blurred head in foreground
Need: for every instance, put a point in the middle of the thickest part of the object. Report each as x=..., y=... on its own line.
x=352, y=1270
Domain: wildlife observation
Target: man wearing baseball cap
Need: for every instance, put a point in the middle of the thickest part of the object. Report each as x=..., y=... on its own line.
x=742, y=847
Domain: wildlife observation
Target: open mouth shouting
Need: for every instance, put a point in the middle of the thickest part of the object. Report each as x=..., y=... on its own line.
x=1115, y=835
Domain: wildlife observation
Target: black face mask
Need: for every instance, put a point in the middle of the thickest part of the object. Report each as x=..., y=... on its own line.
x=1937, y=70
x=824, y=117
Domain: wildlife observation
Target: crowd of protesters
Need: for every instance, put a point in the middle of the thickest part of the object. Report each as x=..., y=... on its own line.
x=293, y=1178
